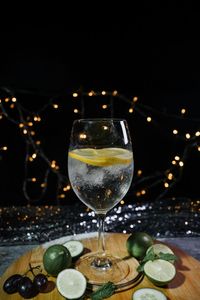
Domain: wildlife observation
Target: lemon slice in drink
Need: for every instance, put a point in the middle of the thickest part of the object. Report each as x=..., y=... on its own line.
x=159, y=271
x=102, y=157
x=71, y=283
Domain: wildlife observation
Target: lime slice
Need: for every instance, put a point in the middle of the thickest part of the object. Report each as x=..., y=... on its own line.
x=159, y=271
x=75, y=248
x=71, y=283
x=148, y=294
x=158, y=248
x=102, y=157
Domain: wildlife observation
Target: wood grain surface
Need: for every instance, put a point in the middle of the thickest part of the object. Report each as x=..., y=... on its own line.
x=185, y=285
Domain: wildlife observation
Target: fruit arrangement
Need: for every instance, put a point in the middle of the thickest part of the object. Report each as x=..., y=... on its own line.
x=156, y=262
x=156, y=259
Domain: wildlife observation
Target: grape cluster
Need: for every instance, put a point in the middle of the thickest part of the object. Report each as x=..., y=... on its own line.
x=25, y=286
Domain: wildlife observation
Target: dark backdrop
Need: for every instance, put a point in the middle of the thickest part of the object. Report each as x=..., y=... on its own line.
x=155, y=55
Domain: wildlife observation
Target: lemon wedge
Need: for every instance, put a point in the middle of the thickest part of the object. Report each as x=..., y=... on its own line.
x=102, y=157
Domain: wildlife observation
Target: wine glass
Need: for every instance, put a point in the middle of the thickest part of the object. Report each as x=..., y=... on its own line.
x=100, y=169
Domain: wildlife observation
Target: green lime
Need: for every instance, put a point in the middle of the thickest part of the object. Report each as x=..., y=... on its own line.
x=56, y=258
x=159, y=271
x=161, y=248
x=138, y=243
x=71, y=283
x=148, y=294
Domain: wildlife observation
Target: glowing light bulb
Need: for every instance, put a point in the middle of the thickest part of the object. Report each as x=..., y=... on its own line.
x=187, y=135
x=166, y=184
x=148, y=119
x=67, y=188
x=130, y=110
x=82, y=136
x=135, y=99
x=170, y=176
x=75, y=95
x=183, y=111
x=197, y=133
x=175, y=131
x=91, y=93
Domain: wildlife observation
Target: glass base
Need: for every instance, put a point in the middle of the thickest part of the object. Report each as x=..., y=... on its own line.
x=101, y=269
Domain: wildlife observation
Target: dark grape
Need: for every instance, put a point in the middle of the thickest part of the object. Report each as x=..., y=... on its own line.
x=11, y=284
x=40, y=281
x=26, y=288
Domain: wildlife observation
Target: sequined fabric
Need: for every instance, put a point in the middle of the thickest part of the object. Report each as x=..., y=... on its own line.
x=174, y=217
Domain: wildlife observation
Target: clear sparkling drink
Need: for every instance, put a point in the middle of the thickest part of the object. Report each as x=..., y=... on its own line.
x=101, y=181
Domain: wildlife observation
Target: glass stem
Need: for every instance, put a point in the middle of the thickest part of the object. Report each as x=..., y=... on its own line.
x=101, y=261
x=101, y=239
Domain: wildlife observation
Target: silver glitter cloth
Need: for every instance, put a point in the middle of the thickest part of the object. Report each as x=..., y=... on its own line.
x=174, y=217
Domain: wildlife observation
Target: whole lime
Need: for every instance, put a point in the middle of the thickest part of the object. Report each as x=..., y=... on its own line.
x=138, y=243
x=56, y=258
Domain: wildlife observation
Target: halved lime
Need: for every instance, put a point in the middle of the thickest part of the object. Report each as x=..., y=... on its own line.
x=75, y=248
x=71, y=283
x=102, y=157
x=148, y=294
x=159, y=271
x=161, y=248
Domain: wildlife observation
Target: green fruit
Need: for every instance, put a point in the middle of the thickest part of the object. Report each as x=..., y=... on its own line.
x=138, y=243
x=56, y=258
x=159, y=271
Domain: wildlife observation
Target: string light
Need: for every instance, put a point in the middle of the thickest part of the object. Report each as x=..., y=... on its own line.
x=148, y=119
x=135, y=99
x=130, y=110
x=175, y=131
x=183, y=111
x=75, y=95
x=34, y=151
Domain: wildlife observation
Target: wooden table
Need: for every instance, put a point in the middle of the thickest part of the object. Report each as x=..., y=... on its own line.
x=186, y=284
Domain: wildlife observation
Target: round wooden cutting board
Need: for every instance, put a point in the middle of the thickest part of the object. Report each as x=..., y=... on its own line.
x=185, y=285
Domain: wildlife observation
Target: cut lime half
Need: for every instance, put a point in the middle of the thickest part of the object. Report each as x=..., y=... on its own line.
x=71, y=283
x=159, y=271
x=75, y=248
x=148, y=294
x=160, y=248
